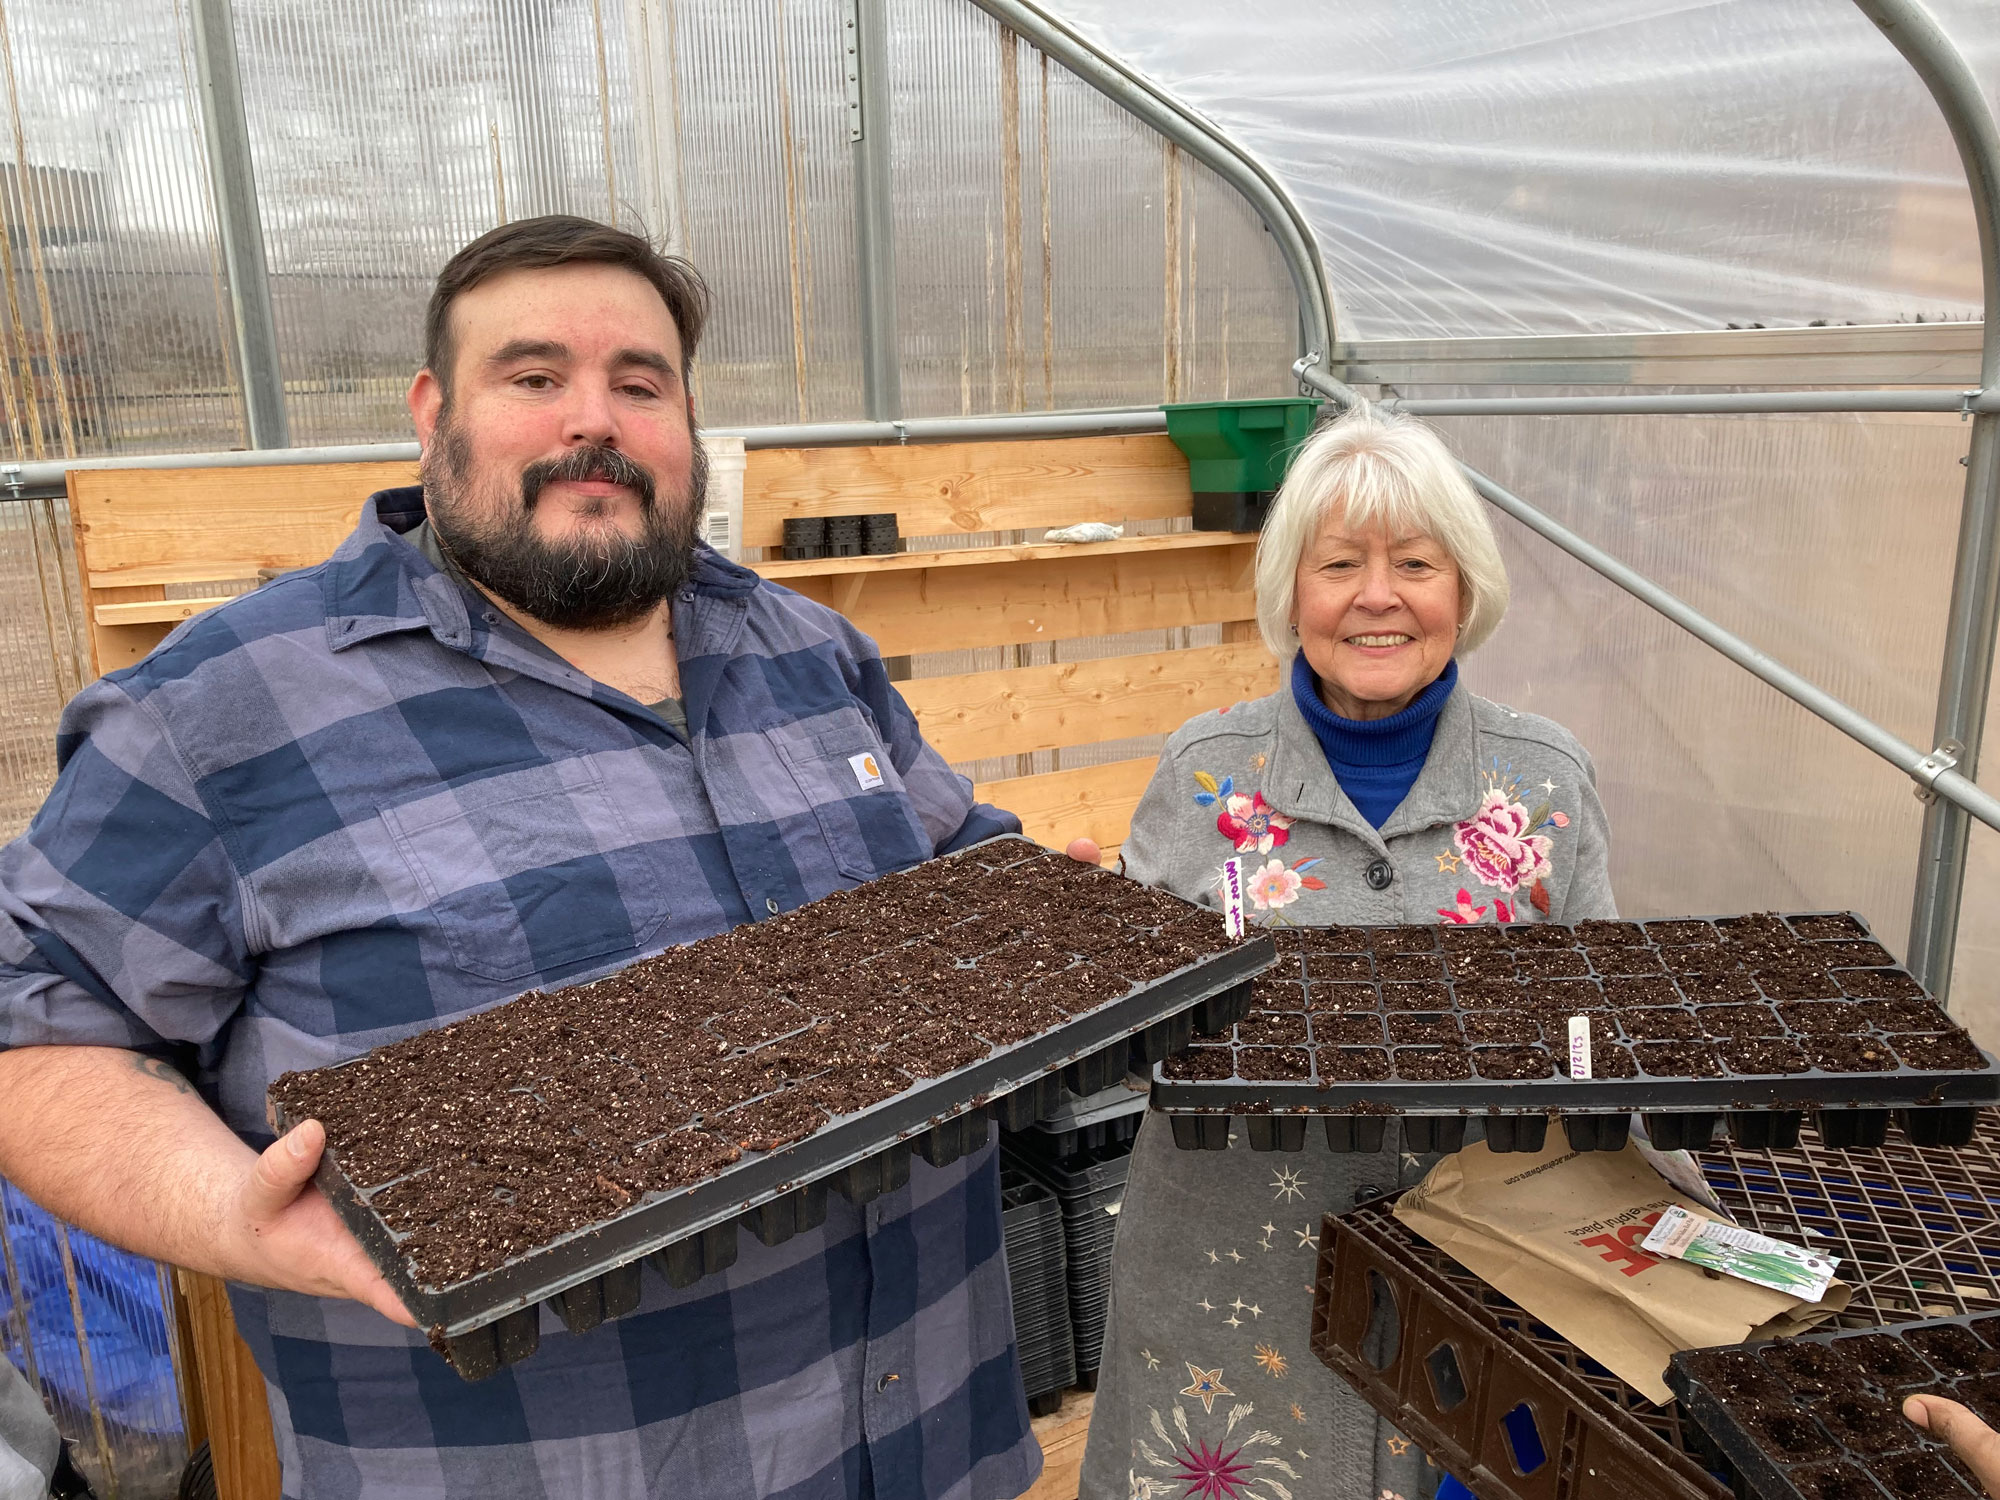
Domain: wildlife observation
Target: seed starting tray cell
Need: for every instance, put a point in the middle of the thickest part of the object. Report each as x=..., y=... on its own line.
x=542, y=1149
x=1819, y=1417
x=1481, y=1385
x=1756, y=1019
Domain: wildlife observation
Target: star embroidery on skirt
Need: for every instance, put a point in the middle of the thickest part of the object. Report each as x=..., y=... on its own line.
x=1207, y=1384
x=1448, y=864
x=1298, y=1412
x=1399, y=1446
x=1152, y=1360
x=1205, y=1305
x=1288, y=1185
x=1233, y=1321
x=1307, y=1239
x=1213, y=1258
x=1236, y=1255
x=1272, y=1361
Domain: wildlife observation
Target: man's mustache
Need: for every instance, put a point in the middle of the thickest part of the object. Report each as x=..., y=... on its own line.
x=595, y=463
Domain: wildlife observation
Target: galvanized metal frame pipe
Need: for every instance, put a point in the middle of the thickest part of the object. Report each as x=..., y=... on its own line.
x=865, y=61
x=36, y=481
x=1720, y=403
x=233, y=177
x=1946, y=783
x=1140, y=97
x=1974, y=614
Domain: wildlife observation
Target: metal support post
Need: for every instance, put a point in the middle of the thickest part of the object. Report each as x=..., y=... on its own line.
x=1967, y=675
x=865, y=60
x=227, y=135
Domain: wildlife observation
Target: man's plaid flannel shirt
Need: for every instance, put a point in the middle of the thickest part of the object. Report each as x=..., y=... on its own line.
x=359, y=802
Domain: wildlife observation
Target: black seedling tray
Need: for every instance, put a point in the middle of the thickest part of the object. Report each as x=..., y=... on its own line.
x=1038, y=1277
x=1356, y=998
x=488, y=1319
x=1820, y=1415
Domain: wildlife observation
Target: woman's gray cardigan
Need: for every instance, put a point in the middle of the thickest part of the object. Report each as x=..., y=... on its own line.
x=1206, y=1351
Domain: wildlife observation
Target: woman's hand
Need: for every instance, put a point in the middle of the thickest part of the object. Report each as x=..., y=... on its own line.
x=1976, y=1444
x=1085, y=850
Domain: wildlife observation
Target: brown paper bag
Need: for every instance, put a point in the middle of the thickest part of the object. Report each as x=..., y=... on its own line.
x=1559, y=1233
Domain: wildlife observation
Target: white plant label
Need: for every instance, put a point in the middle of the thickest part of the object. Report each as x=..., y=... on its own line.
x=1579, y=1046
x=1232, y=897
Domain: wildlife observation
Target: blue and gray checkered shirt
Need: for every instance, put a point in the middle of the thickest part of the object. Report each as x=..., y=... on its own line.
x=359, y=802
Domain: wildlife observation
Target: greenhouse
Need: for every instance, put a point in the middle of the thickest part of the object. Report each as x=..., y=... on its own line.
x=1487, y=517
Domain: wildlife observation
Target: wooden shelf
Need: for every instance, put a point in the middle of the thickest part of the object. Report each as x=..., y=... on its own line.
x=783, y=570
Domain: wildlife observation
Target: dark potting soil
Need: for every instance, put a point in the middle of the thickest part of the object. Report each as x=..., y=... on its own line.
x=1490, y=994
x=1276, y=990
x=1432, y=1064
x=1952, y=1050
x=1540, y=935
x=1414, y=938
x=1888, y=1361
x=1607, y=1060
x=1678, y=931
x=1796, y=984
x=1851, y=1054
x=1201, y=1063
x=1717, y=986
x=1768, y=1054
x=1603, y=934
x=1988, y=1328
x=1512, y=1062
x=1834, y=925
x=1352, y=1064
x=1551, y=963
x=1419, y=1027
x=1352, y=1031
x=1623, y=992
x=1659, y=1023
x=1266, y=1028
x=1955, y=1350
x=1340, y=996
x=1273, y=1062
x=494, y=1135
x=1918, y=1476
x=1409, y=965
x=1738, y=1375
x=1857, y=953
x=1866, y=1424
x=1501, y=1026
x=1878, y=984
x=1699, y=958
x=1338, y=966
x=1463, y=939
x=1416, y=996
x=1823, y=1017
x=1837, y=1481
x=1739, y=1020
x=1622, y=961
x=1677, y=1059
x=1906, y=1015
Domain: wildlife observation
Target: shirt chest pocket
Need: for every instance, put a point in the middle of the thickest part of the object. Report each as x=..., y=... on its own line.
x=530, y=872
x=844, y=779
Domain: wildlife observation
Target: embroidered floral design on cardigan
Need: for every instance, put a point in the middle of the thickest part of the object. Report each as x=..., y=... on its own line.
x=1189, y=1465
x=1505, y=847
x=1247, y=822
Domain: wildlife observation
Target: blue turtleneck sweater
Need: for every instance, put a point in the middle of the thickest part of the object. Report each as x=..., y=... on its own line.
x=1376, y=761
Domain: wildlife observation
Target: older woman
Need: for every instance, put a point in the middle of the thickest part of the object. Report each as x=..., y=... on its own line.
x=1370, y=788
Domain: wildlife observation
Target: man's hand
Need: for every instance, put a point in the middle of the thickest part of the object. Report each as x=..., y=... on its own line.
x=1976, y=1444
x=295, y=1239
x=1085, y=850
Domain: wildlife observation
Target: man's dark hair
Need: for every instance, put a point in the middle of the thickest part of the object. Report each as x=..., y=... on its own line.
x=560, y=240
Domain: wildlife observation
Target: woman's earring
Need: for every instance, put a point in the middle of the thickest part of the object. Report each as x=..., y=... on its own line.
x=1295, y=630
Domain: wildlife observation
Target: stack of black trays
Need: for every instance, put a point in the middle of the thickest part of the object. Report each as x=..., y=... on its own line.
x=1038, y=1274
x=1090, y=1186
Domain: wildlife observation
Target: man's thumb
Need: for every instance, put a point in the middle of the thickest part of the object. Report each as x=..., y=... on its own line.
x=1971, y=1439
x=283, y=1170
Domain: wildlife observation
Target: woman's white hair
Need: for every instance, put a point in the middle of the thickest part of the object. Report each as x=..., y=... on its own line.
x=1379, y=468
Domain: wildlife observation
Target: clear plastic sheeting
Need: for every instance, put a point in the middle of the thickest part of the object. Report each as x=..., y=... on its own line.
x=1827, y=542
x=1569, y=166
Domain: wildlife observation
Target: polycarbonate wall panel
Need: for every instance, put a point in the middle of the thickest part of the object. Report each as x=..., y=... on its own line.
x=1826, y=541
x=114, y=323
x=765, y=178
x=1051, y=251
x=386, y=136
x=1589, y=165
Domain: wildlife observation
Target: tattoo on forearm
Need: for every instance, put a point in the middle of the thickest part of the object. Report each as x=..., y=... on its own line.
x=152, y=1067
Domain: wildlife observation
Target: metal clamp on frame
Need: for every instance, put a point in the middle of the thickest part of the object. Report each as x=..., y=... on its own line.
x=1926, y=771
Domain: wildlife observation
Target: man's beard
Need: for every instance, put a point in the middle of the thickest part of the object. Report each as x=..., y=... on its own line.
x=595, y=581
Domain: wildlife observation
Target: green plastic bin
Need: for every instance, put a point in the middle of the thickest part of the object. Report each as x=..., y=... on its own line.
x=1237, y=452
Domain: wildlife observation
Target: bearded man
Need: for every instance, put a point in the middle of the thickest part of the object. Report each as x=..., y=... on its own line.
x=519, y=730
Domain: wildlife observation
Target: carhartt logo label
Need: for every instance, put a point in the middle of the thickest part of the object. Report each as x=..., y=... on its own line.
x=866, y=772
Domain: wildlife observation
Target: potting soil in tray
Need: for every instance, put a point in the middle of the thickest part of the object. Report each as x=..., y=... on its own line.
x=1761, y=1012
x=1814, y=1418
x=498, y=1159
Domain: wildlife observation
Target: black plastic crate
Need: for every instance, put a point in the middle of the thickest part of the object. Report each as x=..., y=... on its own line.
x=1376, y=1003
x=1785, y=1416
x=775, y=1194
